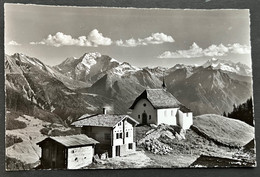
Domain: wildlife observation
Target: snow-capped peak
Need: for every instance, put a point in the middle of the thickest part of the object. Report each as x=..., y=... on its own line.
x=228, y=66
x=91, y=55
x=124, y=68
x=114, y=60
x=88, y=60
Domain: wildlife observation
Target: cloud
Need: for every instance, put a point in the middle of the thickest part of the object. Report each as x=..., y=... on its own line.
x=98, y=39
x=155, y=38
x=213, y=50
x=239, y=49
x=193, y=51
x=14, y=43
x=94, y=38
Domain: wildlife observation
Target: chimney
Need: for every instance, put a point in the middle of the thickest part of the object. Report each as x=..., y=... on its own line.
x=104, y=111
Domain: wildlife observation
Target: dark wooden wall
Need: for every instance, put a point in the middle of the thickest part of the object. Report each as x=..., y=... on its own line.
x=53, y=155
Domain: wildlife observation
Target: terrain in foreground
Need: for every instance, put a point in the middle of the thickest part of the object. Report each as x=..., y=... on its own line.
x=162, y=146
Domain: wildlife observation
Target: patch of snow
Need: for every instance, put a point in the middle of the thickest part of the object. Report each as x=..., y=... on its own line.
x=32, y=62
x=38, y=63
x=91, y=94
x=52, y=108
x=50, y=71
x=68, y=93
x=88, y=60
x=124, y=68
x=228, y=66
x=224, y=67
x=114, y=60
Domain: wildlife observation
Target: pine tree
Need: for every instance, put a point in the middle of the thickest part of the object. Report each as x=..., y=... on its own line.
x=243, y=112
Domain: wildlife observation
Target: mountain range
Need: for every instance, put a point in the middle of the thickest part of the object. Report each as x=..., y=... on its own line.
x=87, y=84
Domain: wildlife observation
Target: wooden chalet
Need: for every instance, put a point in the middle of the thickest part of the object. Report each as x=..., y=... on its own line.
x=114, y=132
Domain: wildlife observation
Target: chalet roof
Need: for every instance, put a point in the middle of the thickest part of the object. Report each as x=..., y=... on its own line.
x=160, y=98
x=72, y=140
x=102, y=120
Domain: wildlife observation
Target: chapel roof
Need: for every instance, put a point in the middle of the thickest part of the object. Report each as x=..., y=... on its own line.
x=160, y=99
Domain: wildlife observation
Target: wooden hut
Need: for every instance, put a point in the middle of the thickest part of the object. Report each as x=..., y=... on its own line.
x=67, y=152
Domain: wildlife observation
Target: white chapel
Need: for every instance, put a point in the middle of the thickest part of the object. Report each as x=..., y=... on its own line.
x=157, y=106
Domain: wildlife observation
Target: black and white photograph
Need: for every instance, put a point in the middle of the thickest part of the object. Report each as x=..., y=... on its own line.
x=127, y=88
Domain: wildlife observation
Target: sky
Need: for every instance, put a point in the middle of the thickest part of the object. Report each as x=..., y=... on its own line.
x=141, y=37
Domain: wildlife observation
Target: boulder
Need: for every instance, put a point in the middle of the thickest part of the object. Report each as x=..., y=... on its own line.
x=153, y=126
x=104, y=156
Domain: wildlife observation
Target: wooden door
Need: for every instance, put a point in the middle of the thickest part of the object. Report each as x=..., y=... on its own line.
x=117, y=150
x=144, y=118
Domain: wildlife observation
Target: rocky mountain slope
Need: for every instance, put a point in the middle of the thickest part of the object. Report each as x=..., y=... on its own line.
x=87, y=84
x=45, y=97
x=36, y=89
x=208, y=90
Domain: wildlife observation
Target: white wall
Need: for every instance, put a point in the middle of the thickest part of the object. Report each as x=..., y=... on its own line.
x=79, y=157
x=123, y=127
x=185, y=120
x=129, y=129
x=139, y=109
x=167, y=116
x=118, y=129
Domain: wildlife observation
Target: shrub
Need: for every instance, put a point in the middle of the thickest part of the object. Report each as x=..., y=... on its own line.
x=45, y=131
x=11, y=140
x=12, y=124
x=57, y=132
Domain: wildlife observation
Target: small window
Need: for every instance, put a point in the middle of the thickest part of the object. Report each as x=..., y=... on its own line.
x=72, y=151
x=118, y=135
x=130, y=146
x=127, y=134
x=165, y=113
x=150, y=117
x=76, y=159
x=138, y=116
x=144, y=104
x=171, y=112
x=119, y=123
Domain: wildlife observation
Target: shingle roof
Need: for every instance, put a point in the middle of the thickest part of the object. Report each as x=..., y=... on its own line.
x=72, y=140
x=102, y=120
x=160, y=99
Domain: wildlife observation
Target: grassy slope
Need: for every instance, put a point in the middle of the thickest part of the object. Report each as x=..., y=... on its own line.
x=224, y=130
x=21, y=149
